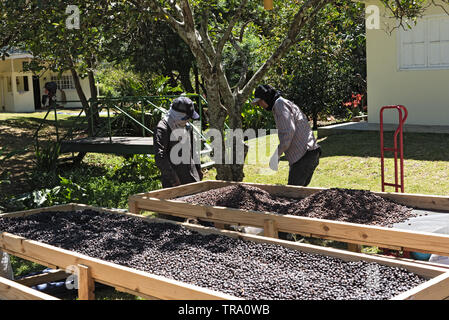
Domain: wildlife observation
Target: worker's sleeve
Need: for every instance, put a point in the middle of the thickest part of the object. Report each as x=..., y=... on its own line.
x=285, y=125
x=162, y=155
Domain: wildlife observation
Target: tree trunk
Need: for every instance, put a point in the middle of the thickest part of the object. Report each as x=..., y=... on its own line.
x=184, y=77
x=217, y=118
x=226, y=171
x=94, y=96
x=83, y=99
x=197, y=79
x=315, y=121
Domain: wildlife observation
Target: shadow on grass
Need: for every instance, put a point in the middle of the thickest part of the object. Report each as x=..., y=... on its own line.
x=417, y=146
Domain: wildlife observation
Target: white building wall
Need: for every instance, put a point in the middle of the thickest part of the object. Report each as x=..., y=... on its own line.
x=23, y=100
x=15, y=100
x=424, y=91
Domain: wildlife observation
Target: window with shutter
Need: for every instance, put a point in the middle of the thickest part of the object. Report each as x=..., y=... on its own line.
x=425, y=45
x=63, y=82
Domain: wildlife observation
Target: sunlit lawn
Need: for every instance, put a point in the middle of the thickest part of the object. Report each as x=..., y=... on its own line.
x=353, y=161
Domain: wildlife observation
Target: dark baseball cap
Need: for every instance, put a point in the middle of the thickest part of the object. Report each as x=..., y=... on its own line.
x=261, y=93
x=185, y=105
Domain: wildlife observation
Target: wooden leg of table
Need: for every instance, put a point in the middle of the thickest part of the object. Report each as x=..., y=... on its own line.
x=270, y=229
x=132, y=207
x=354, y=247
x=219, y=225
x=86, y=285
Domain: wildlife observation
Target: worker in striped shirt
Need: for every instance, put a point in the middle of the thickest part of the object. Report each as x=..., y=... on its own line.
x=296, y=138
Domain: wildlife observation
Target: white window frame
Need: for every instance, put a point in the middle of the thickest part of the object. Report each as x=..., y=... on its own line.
x=400, y=67
x=65, y=82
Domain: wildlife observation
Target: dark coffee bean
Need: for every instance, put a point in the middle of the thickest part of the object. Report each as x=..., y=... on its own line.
x=356, y=206
x=242, y=268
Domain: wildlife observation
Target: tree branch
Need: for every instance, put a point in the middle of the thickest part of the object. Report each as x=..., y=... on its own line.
x=301, y=17
x=244, y=58
x=228, y=31
x=205, y=39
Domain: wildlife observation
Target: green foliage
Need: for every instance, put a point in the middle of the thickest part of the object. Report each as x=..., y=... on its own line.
x=47, y=157
x=120, y=80
x=23, y=267
x=117, y=81
x=326, y=68
x=105, y=188
x=138, y=167
x=254, y=117
x=155, y=52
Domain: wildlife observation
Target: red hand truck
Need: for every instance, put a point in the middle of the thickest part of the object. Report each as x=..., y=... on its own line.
x=399, y=131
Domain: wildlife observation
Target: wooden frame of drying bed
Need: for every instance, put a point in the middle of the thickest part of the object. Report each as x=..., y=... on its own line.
x=90, y=270
x=397, y=239
x=147, y=285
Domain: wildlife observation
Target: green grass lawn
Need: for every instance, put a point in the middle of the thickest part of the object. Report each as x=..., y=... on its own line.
x=353, y=161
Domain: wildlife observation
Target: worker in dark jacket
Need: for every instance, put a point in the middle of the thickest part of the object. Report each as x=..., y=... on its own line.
x=296, y=139
x=177, y=166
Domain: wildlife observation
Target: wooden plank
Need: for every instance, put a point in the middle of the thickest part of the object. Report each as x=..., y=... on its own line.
x=43, y=278
x=341, y=231
x=119, y=145
x=270, y=229
x=430, y=202
x=32, y=259
x=62, y=207
x=138, y=281
x=428, y=263
x=421, y=201
x=86, y=285
x=277, y=190
x=10, y=290
x=138, y=294
x=434, y=289
x=179, y=191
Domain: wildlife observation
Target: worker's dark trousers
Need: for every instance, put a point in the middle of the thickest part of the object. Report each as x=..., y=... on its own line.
x=301, y=172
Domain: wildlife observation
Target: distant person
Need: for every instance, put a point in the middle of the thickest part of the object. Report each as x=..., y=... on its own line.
x=50, y=94
x=296, y=138
x=173, y=174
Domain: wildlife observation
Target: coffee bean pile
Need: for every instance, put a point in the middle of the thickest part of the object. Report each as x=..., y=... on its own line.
x=241, y=268
x=356, y=206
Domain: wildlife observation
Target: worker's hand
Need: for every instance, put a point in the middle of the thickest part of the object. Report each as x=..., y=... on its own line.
x=274, y=161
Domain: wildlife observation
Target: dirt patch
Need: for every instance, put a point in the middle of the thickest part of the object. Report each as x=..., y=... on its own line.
x=356, y=206
x=17, y=134
x=241, y=268
x=16, y=169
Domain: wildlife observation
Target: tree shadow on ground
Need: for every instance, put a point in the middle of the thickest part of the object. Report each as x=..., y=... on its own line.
x=417, y=146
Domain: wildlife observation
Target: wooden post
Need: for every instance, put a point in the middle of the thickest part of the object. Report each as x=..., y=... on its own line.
x=219, y=225
x=270, y=229
x=354, y=247
x=10, y=290
x=132, y=206
x=86, y=285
